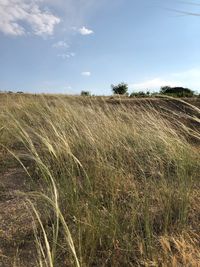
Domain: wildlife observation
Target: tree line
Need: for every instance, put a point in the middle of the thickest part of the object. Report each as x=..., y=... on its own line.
x=177, y=91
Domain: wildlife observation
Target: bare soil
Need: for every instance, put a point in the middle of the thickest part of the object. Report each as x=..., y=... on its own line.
x=16, y=229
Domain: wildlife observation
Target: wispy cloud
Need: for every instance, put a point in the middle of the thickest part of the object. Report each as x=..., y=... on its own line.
x=60, y=44
x=190, y=77
x=53, y=86
x=75, y=13
x=86, y=73
x=155, y=83
x=66, y=55
x=15, y=14
x=85, y=31
x=187, y=78
x=190, y=73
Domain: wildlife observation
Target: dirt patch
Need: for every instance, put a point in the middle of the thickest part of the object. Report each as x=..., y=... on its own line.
x=16, y=231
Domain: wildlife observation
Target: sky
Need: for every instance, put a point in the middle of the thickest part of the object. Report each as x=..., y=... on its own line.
x=66, y=46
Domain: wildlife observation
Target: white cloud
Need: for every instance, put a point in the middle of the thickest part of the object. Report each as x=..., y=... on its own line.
x=54, y=86
x=85, y=31
x=154, y=84
x=75, y=13
x=190, y=78
x=60, y=44
x=191, y=73
x=72, y=54
x=86, y=73
x=68, y=87
x=15, y=14
x=66, y=55
x=187, y=78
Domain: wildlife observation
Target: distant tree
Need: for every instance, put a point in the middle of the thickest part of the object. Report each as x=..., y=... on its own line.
x=141, y=94
x=20, y=92
x=176, y=91
x=85, y=93
x=165, y=89
x=120, y=89
x=148, y=93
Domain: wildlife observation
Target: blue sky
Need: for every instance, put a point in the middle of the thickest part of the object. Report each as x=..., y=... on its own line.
x=66, y=46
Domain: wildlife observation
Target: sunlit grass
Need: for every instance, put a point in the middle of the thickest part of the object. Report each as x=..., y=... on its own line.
x=121, y=183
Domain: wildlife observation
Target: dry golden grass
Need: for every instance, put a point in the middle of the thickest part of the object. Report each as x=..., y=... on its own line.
x=121, y=182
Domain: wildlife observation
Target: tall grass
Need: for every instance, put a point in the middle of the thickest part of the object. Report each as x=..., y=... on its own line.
x=121, y=183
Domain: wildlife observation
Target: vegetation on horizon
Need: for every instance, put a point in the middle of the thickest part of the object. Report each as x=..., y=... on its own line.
x=122, y=89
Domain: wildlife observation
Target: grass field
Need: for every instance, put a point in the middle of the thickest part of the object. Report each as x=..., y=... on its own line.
x=90, y=181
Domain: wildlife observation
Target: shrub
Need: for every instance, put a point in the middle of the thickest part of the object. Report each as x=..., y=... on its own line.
x=140, y=94
x=85, y=93
x=120, y=89
x=176, y=91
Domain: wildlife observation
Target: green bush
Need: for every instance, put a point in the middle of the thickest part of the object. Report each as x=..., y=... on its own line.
x=120, y=89
x=176, y=91
x=140, y=94
x=85, y=93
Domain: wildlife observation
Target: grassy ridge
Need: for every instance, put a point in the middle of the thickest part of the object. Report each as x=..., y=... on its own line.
x=122, y=182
